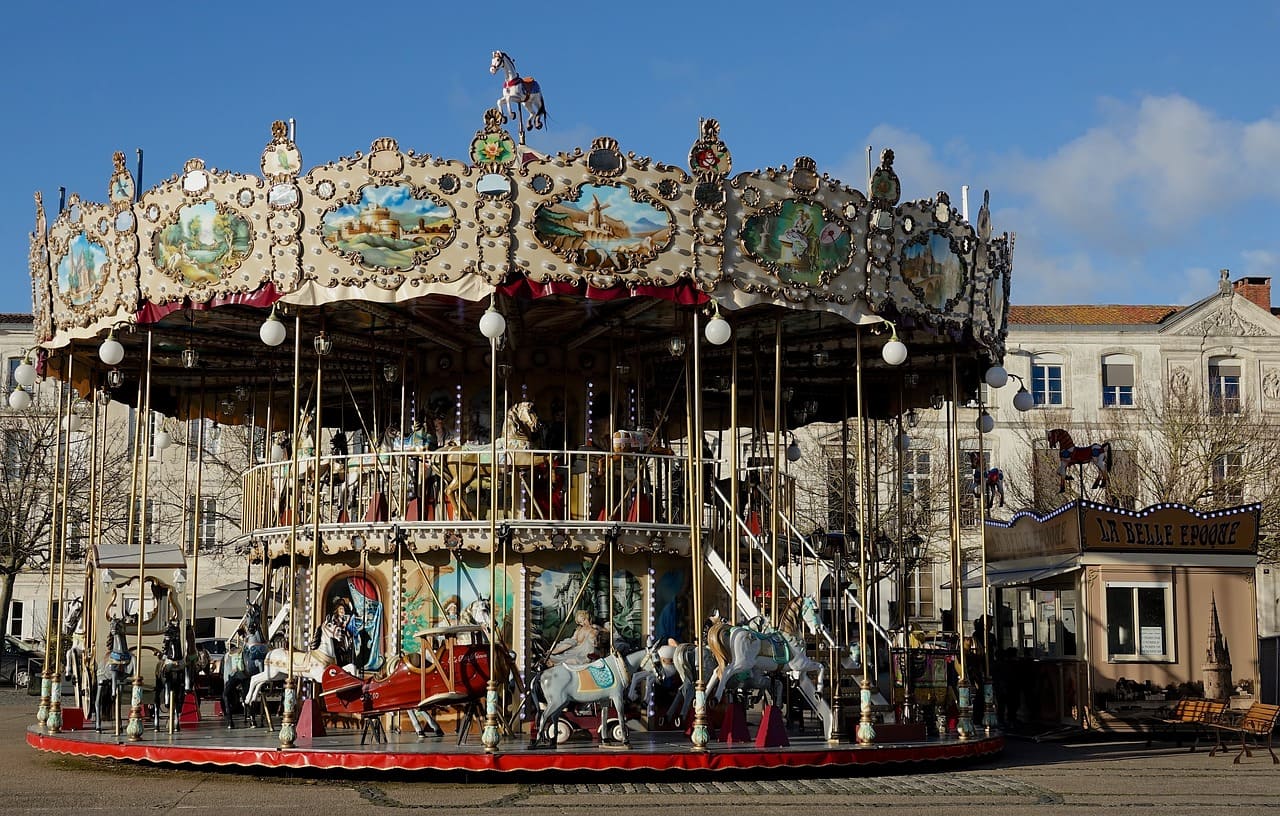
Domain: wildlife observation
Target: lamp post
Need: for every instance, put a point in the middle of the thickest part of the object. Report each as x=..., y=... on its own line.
x=493, y=326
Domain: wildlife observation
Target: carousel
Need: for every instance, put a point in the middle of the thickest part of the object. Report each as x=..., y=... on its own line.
x=497, y=506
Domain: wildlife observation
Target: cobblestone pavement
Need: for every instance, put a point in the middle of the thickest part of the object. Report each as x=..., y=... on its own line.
x=1125, y=778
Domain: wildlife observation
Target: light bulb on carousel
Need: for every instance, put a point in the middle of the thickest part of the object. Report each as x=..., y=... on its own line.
x=717, y=331
x=25, y=374
x=1023, y=401
x=894, y=351
x=272, y=331
x=492, y=324
x=19, y=399
x=111, y=352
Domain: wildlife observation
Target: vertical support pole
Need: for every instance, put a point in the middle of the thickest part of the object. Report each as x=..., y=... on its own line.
x=134, y=729
x=289, y=714
x=964, y=690
x=866, y=730
x=700, y=735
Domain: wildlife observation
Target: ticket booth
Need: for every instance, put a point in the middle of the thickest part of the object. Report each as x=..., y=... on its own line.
x=1096, y=604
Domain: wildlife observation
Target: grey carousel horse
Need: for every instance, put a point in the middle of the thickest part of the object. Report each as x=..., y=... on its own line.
x=242, y=661
x=605, y=679
x=276, y=665
x=115, y=671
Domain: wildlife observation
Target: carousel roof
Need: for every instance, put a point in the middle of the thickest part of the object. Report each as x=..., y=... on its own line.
x=597, y=259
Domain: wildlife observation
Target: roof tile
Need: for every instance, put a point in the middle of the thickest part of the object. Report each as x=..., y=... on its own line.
x=1113, y=315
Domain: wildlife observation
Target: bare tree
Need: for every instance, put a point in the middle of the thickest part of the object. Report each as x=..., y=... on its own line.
x=35, y=448
x=1181, y=446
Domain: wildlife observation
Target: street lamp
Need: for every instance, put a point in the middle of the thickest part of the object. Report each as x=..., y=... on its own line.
x=717, y=331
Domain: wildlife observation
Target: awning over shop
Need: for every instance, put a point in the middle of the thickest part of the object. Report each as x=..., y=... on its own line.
x=1017, y=577
x=226, y=601
x=121, y=558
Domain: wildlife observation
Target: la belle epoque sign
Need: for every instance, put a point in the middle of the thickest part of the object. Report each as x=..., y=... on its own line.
x=1099, y=528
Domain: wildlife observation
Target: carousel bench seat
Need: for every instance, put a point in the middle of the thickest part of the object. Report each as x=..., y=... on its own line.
x=1257, y=723
x=1193, y=716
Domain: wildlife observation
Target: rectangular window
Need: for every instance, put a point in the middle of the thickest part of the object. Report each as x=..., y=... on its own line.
x=842, y=487
x=16, y=610
x=1224, y=387
x=1117, y=385
x=920, y=589
x=1139, y=623
x=208, y=521
x=1046, y=384
x=1228, y=477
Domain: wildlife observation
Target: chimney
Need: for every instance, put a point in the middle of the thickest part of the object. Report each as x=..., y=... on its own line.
x=1257, y=290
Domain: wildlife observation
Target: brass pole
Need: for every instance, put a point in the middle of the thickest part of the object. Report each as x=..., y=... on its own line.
x=735, y=534
x=197, y=516
x=46, y=678
x=774, y=499
x=134, y=729
x=288, y=717
x=866, y=730
x=317, y=603
x=988, y=688
x=490, y=737
x=964, y=718
x=57, y=556
x=700, y=736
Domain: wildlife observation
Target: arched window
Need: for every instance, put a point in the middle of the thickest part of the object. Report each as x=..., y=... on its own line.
x=1117, y=381
x=1046, y=380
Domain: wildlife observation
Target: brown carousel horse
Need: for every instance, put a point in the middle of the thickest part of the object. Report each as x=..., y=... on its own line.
x=1069, y=454
x=465, y=466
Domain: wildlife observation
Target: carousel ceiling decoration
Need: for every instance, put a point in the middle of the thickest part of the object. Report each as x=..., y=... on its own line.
x=391, y=226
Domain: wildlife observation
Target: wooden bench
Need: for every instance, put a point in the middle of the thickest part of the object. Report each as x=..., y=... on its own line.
x=1192, y=715
x=1257, y=723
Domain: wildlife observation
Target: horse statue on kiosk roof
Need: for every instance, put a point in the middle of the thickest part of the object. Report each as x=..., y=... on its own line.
x=1098, y=453
x=518, y=91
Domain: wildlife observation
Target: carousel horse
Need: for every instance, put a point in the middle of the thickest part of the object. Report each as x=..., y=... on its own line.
x=517, y=91
x=73, y=639
x=171, y=674
x=116, y=668
x=990, y=485
x=667, y=661
x=1098, y=453
x=243, y=660
x=747, y=655
x=605, y=679
x=465, y=466
x=333, y=640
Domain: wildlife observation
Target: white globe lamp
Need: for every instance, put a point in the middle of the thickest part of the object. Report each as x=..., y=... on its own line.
x=492, y=324
x=717, y=331
x=996, y=376
x=19, y=400
x=162, y=440
x=895, y=351
x=25, y=374
x=111, y=352
x=272, y=331
x=985, y=423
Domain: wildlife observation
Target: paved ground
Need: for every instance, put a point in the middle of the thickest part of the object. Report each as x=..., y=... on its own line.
x=1123, y=778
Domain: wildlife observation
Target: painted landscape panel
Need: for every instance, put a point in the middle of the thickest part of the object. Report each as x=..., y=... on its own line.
x=604, y=229
x=81, y=270
x=796, y=242
x=389, y=228
x=203, y=244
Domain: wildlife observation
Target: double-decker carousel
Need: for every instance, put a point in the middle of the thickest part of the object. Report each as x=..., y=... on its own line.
x=467, y=391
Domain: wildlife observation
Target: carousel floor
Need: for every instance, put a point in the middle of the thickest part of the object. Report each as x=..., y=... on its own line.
x=210, y=743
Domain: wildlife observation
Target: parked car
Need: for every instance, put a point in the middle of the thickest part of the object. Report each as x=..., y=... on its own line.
x=210, y=681
x=16, y=662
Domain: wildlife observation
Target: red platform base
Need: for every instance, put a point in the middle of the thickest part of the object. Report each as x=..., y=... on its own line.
x=773, y=731
x=733, y=728
x=208, y=743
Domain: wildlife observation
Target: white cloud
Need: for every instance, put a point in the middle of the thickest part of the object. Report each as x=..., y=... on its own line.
x=1149, y=171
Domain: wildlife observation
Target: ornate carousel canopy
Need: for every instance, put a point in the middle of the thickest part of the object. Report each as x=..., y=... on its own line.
x=598, y=260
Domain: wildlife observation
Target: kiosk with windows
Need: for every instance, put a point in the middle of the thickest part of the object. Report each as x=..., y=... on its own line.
x=1097, y=606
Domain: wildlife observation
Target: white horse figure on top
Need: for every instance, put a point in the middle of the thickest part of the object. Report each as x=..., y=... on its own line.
x=517, y=91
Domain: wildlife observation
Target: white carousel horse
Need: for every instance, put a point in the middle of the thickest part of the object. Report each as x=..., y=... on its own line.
x=311, y=664
x=73, y=639
x=668, y=660
x=517, y=91
x=746, y=655
x=606, y=679
x=1068, y=454
x=466, y=465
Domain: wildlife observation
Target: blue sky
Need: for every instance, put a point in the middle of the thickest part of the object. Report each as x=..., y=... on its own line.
x=1134, y=148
